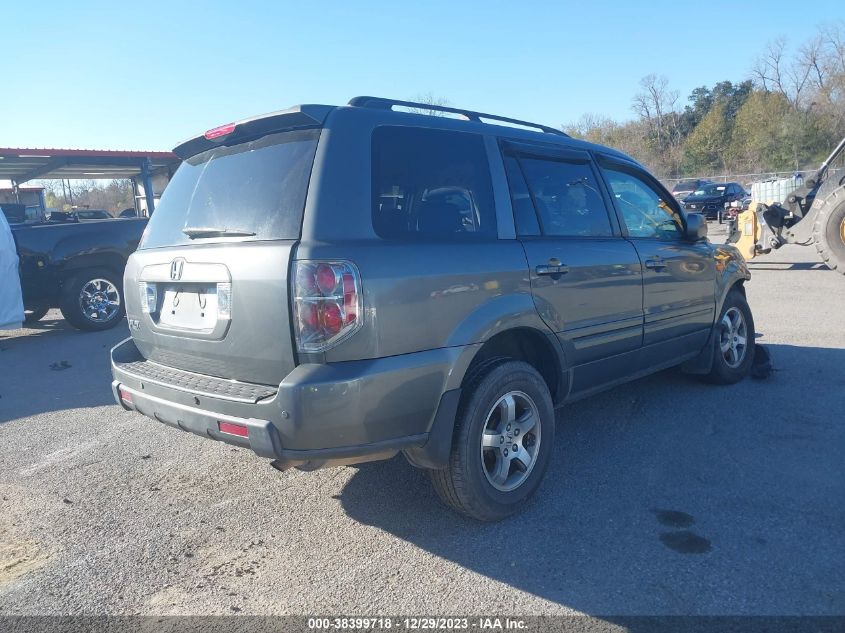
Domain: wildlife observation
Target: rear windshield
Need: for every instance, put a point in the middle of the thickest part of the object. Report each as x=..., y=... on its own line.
x=254, y=190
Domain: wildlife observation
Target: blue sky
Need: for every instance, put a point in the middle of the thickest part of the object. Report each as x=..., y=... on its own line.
x=146, y=75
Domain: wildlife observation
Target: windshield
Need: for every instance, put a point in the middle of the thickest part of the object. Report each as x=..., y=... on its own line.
x=255, y=190
x=710, y=190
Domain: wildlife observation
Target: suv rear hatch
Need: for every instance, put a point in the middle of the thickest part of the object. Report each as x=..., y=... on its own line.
x=208, y=285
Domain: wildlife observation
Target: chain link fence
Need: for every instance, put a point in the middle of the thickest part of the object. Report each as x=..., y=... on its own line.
x=836, y=171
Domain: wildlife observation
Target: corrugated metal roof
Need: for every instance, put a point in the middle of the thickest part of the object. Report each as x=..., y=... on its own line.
x=27, y=163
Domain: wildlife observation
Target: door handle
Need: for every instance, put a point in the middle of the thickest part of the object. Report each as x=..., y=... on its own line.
x=552, y=269
x=655, y=264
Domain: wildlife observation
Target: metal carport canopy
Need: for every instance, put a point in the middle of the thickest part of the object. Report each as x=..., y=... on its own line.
x=22, y=164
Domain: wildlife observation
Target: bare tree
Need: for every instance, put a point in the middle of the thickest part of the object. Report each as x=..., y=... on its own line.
x=812, y=57
x=769, y=69
x=657, y=106
x=429, y=98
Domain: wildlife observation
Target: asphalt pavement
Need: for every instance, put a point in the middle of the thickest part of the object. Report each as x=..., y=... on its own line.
x=664, y=496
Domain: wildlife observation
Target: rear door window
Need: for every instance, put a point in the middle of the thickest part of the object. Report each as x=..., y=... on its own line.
x=431, y=184
x=255, y=190
x=566, y=197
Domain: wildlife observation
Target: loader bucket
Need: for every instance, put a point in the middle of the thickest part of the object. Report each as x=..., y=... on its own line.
x=745, y=235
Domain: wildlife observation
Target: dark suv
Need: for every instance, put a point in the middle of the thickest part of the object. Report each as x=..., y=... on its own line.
x=330, y=285
x=684, y=188
x=711, y=199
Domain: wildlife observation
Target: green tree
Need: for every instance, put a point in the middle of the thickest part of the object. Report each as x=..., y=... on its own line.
x=761, y=137
x=707, y=146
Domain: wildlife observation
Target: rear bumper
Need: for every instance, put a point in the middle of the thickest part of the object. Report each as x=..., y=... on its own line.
x=320, y=415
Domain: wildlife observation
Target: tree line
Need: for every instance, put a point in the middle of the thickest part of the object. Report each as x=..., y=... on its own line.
x=112, y=195
x=787, y=115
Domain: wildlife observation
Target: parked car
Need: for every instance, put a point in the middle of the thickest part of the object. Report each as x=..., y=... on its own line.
x=128, y=213
x=683, y=188
x=77, y=267
x=710, y=200
x=331, y=285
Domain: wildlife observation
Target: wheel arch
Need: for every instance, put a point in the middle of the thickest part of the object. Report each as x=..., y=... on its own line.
x=535, y=347
x=112, y=262
x=538, y=347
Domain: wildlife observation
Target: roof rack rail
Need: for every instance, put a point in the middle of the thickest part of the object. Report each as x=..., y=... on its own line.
x=387, y=104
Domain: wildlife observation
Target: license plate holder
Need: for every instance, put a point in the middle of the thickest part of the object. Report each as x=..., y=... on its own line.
x=188, y=306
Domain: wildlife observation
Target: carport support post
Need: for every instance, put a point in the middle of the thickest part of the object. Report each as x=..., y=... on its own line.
x=147, y=178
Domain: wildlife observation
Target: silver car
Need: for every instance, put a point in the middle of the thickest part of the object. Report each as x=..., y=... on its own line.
x=330, y=285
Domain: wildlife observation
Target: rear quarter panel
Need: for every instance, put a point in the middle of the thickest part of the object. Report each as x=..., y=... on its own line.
x=428, y=295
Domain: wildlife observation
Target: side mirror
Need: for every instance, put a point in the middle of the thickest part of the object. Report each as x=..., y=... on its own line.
x=696, y=227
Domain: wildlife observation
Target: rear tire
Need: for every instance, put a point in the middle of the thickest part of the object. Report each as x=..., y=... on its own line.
x=733, y=341
x=502, y=442
x=92, y=300
x=829, y=231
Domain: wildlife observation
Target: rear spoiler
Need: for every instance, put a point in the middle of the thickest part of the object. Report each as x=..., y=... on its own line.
x=295, y=118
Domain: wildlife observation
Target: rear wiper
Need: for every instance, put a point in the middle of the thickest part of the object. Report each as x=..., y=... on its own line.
x=207, y=231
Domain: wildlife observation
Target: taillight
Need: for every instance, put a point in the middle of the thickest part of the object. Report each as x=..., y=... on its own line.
x=327, y=303
x=149, y=297
x=224, y=301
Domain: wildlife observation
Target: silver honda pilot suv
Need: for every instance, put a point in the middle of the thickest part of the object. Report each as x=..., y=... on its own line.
x=330, y=285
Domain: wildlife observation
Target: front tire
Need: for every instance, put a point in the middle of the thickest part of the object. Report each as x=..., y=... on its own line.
x=829, y=231
x=734, y=337
x=92, y=300
x=502, y=442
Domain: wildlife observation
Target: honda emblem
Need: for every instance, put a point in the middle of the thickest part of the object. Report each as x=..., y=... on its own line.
x=176, y=267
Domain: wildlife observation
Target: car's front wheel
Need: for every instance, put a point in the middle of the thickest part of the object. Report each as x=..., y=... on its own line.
x=503, y=438
x=733, y=338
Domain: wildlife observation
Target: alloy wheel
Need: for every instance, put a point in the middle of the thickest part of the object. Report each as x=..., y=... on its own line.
x=733, y=341
x=99, y=300
x=510, y=441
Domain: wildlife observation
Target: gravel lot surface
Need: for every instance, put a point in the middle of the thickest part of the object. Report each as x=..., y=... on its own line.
x=665, y=496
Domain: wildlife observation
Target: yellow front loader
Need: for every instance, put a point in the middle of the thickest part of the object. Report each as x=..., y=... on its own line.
x=812, y=214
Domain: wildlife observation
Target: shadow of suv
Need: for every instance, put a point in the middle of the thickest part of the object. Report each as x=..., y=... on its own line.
x=331, y=285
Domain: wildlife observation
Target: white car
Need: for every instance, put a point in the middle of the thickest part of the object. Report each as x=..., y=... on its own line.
x=11, y=301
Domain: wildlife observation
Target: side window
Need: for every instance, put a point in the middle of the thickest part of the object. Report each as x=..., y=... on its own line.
x=645, y=212
x=523, y=209
x=567, y=198
x=431, y=184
